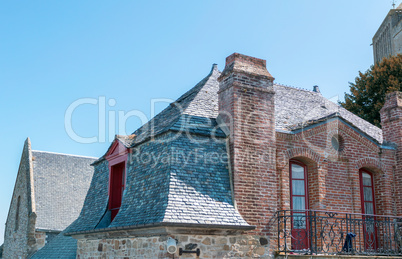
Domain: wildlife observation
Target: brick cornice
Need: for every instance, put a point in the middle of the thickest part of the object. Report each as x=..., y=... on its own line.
x=253, y=88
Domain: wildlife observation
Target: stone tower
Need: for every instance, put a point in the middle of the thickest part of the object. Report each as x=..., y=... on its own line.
x=387, y=41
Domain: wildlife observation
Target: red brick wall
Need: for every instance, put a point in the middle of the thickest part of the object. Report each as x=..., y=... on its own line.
x=333, y=177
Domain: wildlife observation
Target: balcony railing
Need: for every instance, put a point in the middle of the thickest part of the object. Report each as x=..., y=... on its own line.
x=325, y=232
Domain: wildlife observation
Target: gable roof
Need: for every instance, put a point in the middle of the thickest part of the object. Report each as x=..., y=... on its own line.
x=295, y=108
x=60, y=184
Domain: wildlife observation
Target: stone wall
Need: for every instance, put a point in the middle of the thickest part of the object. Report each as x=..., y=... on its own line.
x=16, y=239
x=245, y=246
x=21, y=239
x=40, y=239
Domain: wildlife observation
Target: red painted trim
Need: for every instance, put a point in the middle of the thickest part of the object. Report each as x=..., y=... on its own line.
x=306, y=240
x=117, y=154
x=305, y=183
x=361, y=171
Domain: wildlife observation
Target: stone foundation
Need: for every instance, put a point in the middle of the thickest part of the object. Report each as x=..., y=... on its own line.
x=244, y=246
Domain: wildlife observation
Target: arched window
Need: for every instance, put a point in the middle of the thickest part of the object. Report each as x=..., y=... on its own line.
x=298, y=186
x=17, y=214
x=368, y=207
x=299, y=204
x=367, y=192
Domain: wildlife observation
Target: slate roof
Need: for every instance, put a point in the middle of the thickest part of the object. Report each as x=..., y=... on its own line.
x=293, y=107
x=201, y=101
x=296, y=107
x=60, y=185
x=59, y=247
x=96, y=200
x=188, y=189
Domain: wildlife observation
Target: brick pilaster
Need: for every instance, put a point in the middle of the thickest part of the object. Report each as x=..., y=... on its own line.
x=391, y=122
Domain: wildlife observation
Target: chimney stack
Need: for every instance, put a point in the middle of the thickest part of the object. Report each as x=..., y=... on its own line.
x=247, y=107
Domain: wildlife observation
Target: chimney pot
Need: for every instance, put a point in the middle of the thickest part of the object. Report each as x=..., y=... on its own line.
x=316, y=89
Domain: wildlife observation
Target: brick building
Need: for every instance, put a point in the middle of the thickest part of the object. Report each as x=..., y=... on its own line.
x=48, y=195
x=241, y=167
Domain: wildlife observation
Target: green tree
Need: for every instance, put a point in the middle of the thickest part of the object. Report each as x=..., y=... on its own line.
x=367, y=93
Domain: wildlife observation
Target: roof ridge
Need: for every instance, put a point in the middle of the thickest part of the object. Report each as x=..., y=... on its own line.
x=199, y=84
x=215, y=73
x=172, y=111
x=56, y=153
x=295, y=87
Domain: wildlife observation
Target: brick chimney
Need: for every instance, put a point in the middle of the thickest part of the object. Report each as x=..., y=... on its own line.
x=246, y=106
x=391, y=122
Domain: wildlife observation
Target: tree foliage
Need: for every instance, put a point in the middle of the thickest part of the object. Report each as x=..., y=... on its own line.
x=367, y=93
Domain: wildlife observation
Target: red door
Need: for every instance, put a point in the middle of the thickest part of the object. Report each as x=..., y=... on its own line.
x=116, y=188
x=368, y=207
x=299, y=205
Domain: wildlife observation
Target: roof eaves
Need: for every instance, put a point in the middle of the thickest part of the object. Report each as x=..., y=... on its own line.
x=49, y=230
x=98, y=160
x=164, y=224
x=303, y=125
x=125, y=140
x=313, y=123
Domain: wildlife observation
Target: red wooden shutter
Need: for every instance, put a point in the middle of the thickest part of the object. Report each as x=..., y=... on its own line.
x=116, y=188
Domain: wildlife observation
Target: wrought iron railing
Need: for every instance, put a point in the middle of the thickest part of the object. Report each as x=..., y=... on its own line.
x=325, y=232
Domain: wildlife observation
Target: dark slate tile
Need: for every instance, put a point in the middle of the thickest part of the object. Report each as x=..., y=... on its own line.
x=60, y=182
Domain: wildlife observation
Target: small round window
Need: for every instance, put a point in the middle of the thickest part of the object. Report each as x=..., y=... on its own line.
x=337, y=143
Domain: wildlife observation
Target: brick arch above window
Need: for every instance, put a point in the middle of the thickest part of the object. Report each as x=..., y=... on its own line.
x=371, y=164
x=302, y=154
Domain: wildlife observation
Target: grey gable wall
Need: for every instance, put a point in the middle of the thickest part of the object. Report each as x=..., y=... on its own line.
x=16, y=240
x=51, y=188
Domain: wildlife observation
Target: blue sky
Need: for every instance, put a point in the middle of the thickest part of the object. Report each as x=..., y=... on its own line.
x=128, y=53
